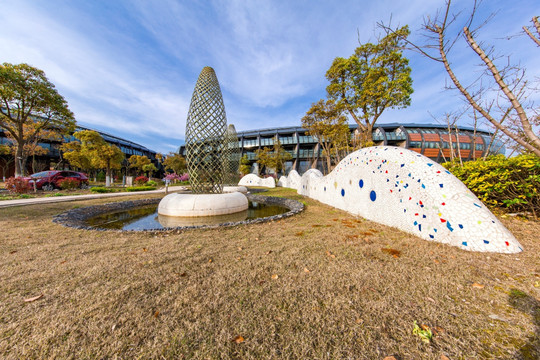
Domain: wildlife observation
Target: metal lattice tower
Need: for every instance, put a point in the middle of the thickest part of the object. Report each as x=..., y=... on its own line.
x=232, y=157
x=205, y=135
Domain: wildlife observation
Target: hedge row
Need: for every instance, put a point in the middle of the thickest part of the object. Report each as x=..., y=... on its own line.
x=498, y=181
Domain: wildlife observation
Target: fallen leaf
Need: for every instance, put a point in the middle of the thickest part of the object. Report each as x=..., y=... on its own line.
x=256, y=238
x=33, y=298
x=497, y=317
x=156, y=314
x=328, y=253
x=439, y=330
x=350, y=226
x=395, y=253
x=300, y=233
x=478, y=286
x=13, y=252
x=430, y=299
x=306, y=270
x=184, y=274
x=268, y=252
x=210, y=260
x=63, y=262
x=275, y=276
x=444, y=357
x=144, y=249
x=389, y=358
x=240, y=248
x=366, y=233
x=262, y=282
x=239, y=339
x=335, y=219
x=317, y=225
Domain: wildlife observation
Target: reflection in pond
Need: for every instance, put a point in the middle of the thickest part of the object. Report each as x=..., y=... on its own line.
x=147, y=218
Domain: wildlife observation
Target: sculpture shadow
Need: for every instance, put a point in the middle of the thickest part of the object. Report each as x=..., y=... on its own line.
x=531, y=306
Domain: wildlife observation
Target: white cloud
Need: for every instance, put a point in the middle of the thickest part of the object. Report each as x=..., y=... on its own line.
x=129, y=67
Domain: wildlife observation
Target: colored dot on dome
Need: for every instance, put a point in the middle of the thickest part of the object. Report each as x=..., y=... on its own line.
x=361, y=183
x=373, y=195
x=342, y=192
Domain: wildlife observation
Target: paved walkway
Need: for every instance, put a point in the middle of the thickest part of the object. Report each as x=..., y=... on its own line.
x=55, y=199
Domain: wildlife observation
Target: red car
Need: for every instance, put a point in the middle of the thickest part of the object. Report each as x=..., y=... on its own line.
x=49, y=180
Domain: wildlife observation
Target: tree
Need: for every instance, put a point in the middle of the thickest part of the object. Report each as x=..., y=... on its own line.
x=274, y=157
x=175, y=162
x=90, y=151
x=30, y=104
x=149, y=168
x=245, y=166
x=375, y=78
x=6, y=159
x=502, y=93
x=138, y=162
x=326, y=123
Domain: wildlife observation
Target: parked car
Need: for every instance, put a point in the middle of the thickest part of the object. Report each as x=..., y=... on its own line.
x=49, y=180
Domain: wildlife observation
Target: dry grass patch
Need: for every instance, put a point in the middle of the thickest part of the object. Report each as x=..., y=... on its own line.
x=319, y=285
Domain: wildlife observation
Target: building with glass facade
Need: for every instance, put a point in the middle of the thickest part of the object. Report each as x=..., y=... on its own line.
x=433, y=141
x=53, y=157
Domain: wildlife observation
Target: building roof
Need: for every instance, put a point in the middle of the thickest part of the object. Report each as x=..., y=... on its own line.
x=291, y=129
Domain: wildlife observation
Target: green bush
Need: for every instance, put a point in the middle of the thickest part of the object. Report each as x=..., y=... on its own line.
x=151, y=183
x=101, y=189
x=140, y=188
x=498, y=181
x=100, y=176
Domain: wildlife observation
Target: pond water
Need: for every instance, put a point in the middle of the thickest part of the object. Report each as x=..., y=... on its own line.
x=147, y=218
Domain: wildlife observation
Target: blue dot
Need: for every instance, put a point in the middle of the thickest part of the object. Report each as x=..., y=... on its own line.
x=325, y=188
x=342, y=192
x=373, y=195
x=361, y=183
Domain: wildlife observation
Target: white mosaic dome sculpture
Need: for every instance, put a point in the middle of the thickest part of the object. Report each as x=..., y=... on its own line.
x=401, y=188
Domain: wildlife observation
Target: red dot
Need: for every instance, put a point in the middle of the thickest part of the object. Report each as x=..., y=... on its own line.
x=507, y=244
x=442, y=220
x=443, y=204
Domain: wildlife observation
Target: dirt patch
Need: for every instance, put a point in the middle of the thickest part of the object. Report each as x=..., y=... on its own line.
x=317, y=285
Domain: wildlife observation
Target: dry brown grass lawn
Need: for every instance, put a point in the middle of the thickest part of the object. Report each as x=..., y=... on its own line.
x=320, y=285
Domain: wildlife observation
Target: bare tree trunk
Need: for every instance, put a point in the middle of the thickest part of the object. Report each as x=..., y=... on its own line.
x=526, y=125
x=458, y=145
x=531, y=35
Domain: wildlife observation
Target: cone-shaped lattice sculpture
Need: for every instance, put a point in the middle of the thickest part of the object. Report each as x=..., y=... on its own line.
x=232, y=157
x=205, y=134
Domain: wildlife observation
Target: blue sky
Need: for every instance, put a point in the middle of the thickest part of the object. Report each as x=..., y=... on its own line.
x=129, y=67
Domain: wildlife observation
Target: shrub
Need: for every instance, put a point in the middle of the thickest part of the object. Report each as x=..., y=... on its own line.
x=100, y=176
x=172, y=177
x=101, y=189
x=498, y=181
x=69, y=184
x=151, y=183
x=140, y=180
x=17, y=185
x=184, y=177
x=140, y=188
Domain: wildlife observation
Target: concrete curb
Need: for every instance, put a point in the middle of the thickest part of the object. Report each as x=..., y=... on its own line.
x=49, y=200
